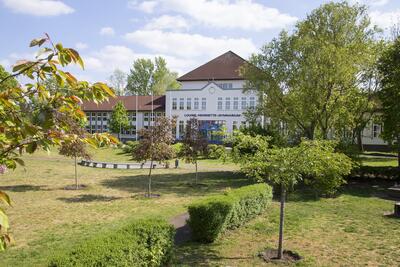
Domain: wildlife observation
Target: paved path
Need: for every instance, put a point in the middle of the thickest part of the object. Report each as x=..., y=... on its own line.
x=183, y=233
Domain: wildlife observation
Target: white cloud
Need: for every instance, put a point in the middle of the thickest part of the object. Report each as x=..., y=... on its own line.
x=233, y=14
x=166, y=22
x=385, y=20
x=189, y=45
x=5, y=63
x=107, y=31
x=145, y=6
x=81, y=46
x=373, y=3
x=38, y=7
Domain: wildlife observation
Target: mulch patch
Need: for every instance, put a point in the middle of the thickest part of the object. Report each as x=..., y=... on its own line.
x=270, y=255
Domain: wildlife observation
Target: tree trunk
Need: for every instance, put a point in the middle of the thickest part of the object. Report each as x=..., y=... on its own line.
x=76, y=175
x=281, y=222
x=196, y=172
x=359, y=140
x=149, y=187
x=398, y=152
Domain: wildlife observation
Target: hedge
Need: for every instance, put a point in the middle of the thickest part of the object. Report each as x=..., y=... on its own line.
x=141, y=243
x=212, y=216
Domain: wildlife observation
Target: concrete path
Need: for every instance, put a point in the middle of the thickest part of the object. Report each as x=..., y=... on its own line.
x=183, y=233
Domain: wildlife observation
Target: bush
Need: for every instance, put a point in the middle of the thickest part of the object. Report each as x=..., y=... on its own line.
x=215, y=151
x=244, y=147
x=178, y=147
x=141, y=243
x=212, y=216
x=130, y=146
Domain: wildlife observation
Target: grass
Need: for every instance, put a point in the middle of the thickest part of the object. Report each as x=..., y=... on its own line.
x=379, y=159
x=349, y=230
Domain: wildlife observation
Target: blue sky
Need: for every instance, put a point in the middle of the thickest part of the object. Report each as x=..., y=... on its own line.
x=112, y=34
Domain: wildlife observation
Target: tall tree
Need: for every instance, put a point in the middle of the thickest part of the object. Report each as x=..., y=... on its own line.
x=33, y=116
x=119, y=120
x=118, y=81
x=389, y=67
x=155, y=144
x=194, y=144
x=308, y=78
x=147, y=77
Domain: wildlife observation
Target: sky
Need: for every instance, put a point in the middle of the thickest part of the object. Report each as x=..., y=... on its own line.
x=187, y=33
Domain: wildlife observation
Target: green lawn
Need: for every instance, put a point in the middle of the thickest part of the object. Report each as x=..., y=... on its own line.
x=349, y=230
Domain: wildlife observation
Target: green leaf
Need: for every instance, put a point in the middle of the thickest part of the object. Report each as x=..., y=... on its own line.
x=37, y=42
x=31, y=147
x=20, y=161
x=5, y=198
x=20, y=64
x=3, y=219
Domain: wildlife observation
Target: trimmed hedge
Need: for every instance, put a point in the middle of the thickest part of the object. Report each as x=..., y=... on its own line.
x=147, y=242
x=212, y=216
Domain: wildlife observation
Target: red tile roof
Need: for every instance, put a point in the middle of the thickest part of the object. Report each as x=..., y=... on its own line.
x=224, y=67
x=144, y=103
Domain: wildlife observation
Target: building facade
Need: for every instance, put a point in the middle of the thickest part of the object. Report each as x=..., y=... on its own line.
x=213, y=94
x=139, y=109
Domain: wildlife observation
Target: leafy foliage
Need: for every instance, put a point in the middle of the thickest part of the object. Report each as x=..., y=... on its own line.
x=118, y=81
x=310, y=79
x=155, y=144
x=389, y=67
x=244, y=147
x=141, y=243
x=210, y=217
x=37, y=116
x=216, y=151
x=148, y=78
x=119, y=119
x=130, y=147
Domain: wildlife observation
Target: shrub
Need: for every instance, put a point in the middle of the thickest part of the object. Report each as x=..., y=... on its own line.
x=215, y=151
x=178, y=147
x=130, y=146
x=212, y=216
x=244, y=147
x=142, y=243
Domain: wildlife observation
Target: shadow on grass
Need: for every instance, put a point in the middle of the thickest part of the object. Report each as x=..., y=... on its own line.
x=88, y=198
x=24, y=188
x=180, y=184
x=196, y=254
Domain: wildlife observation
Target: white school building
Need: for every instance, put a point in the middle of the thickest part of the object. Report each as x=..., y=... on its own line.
x=213, y=94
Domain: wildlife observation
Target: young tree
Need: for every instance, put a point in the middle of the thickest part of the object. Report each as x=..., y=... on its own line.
x=32, y=116
x=389, y=67
x=194, y=144
x=155, y=144
x=308, y=78
x=146, y=77
x=118, y=81
x=119, y=120
x=285, y=167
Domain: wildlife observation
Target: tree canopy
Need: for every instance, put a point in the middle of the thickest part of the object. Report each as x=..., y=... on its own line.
x=118, y=81
x=119, y=119
x=389, y=67
x=310, y=79
x=147, y=77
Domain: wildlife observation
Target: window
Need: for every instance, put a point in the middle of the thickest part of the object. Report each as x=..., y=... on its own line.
x=227, y=103
x=196, y=103
x=146, y=116
x=234, y=125
x=252, y=102
x=105, y=117
x=181, y=103
x=188, y=103
x=225, y=85
x=219, y=103
x=236, y=103
x=181, y=129
x=203, y=103
x=133, y=116
x=244, y=103
x=376, y=130
x=174, y=103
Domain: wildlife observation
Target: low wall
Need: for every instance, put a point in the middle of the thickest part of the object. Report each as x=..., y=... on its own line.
x=111, y=165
